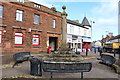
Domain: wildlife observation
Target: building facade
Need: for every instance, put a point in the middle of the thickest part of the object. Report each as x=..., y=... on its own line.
x=79, y=35
x=28, y=26
x=74, y=38
x=86, y=34
x=107, y=37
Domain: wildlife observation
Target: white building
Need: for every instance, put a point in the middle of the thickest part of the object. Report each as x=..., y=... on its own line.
x=86, y=34
x=79, y=35
x=74, y=33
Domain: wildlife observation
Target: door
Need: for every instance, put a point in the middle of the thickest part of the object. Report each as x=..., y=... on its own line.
x=53, y=43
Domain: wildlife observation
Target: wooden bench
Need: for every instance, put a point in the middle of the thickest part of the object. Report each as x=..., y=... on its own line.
x=21, y=57
x=67, y=67
x=107, y=59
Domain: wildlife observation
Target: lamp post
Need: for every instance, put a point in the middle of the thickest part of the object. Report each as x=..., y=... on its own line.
x=92, y=22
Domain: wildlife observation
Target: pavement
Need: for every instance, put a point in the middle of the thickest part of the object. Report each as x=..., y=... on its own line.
x=98, y=70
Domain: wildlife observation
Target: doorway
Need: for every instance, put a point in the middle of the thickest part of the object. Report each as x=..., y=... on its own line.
x=53, y=43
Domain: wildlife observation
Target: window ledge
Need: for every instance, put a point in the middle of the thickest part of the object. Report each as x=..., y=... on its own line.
x=36, y=47
x=36, y=30
x=18, y=46
x=37, y=24
x=19, y=21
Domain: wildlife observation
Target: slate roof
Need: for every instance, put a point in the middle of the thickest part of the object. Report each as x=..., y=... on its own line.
x=85, y=22
x=115, y=37
x=75, y=23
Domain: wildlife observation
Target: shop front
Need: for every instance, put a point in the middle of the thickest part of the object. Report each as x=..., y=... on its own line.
x=74, y=42
x=86, y=43
x=53, y=41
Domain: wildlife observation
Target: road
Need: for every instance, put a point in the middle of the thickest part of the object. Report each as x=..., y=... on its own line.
x=98, y=71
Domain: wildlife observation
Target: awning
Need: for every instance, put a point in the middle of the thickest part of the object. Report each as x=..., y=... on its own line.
x=108, y=42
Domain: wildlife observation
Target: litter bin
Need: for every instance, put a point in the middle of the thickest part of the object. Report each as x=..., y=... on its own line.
x=49, y=49
x=35, y=67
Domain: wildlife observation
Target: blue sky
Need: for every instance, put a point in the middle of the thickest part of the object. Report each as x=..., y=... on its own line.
x=103, y=12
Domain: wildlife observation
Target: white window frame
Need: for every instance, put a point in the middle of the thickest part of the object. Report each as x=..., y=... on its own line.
x=36, y=19
x=1, y=11
x=37, y=38
x=19, y=15
x=18, y=38
x=53, y=23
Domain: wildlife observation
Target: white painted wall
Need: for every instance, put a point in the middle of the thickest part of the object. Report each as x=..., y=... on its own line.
x=88, y=34
x=76, y=31
x=79, y=30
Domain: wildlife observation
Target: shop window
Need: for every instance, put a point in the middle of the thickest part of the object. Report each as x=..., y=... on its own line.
x=18, y=39
x=53, y=23
x=0, y=37
x=36, y=19
x=19, y=15
x=1, y=11
x=36, y=40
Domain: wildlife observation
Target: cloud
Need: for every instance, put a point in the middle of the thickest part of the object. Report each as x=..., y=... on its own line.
x=109, y=21
x=106, y=18
x=106, y=8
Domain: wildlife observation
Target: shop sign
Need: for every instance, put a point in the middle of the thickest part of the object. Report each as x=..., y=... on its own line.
x=74, y=37
x=69, y=40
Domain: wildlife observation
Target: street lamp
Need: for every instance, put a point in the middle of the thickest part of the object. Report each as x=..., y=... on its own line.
x=92, y=22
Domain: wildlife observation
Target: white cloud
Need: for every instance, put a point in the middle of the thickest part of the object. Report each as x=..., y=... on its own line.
x=110, y=21
x=106, y=8
x=106, y=18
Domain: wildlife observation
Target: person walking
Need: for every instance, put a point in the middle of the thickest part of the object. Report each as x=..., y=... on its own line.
x=95, y=49
x=86, y=52
x=86, y=49
x=100, y=51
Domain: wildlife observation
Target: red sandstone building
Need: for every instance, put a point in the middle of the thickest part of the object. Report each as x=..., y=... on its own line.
x=29, y=26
